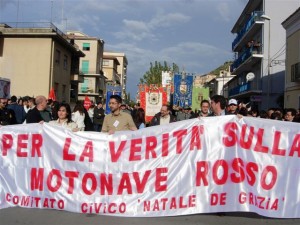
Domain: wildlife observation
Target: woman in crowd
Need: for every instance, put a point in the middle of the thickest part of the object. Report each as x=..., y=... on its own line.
x=54, y=110
x=64, y=117
x=139, y=118
x=78, y=116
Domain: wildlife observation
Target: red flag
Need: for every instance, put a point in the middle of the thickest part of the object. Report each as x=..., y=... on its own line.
x=87, y=103
x=52, y=95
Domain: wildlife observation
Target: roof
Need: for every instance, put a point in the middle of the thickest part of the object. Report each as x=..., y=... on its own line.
x=284, y=23
x=249, y=8
x=48, y=30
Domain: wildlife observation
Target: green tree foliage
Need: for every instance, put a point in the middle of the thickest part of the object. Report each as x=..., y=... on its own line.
x=153, y=75
x=127, y=97
x=225, y=66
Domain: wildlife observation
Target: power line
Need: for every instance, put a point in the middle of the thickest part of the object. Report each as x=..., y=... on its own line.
x=282, y=49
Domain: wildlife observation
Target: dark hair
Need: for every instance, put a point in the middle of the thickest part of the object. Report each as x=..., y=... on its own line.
x=54, y=110
x=79, y=107
x=168, y=107
x=297, y=119
x=292, y=111
x=204, y=101
x=49, y=101
x=13, y=98
x=68, y=109
x=243, y=111
x=263, y=114
x=117, y=98
x=139, y=117
x=276, y=116
x=221, y=99
x=31, y=100
x=254, y=111
x=20, y=100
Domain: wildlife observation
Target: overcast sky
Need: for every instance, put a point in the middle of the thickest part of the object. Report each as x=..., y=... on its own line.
x=194, y=34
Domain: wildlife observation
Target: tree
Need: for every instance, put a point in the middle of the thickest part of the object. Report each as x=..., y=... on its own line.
x=153, y=75
x=225, y=66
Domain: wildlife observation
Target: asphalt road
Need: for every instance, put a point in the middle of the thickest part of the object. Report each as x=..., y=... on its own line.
x=20, y=216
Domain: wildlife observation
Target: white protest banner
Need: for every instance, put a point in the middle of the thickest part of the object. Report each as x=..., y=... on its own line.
x=216, y=164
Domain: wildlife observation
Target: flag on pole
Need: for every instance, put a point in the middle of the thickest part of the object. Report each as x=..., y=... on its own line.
x=87, y=103
x=52, y=95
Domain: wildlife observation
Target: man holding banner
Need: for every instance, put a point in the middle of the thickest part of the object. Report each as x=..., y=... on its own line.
x=163, y=117
x=117, y=120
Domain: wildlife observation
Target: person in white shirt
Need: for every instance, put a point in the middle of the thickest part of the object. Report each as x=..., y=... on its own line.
x=78, y=116
x=64, y=117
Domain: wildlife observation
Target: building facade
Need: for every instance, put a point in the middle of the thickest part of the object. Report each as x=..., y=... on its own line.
x=37, y=58
x=93, y=84
x=116, y=68
x=292, y=65
x=259, y=48
x=219, y=84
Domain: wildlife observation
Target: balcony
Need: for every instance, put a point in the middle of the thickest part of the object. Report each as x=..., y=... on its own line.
x=244, y=90
x=249, y=57
x=92, y=73
x=251, y=27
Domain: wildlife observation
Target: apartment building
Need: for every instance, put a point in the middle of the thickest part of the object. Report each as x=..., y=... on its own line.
x=93, y=84
x=259, y=48
x=219, y=84
x=292, y=65
x=115, y=65
x=37, y=57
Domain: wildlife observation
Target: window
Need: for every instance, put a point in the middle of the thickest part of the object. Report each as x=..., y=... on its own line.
x=105, y=62
x=295, y=72
x=65, y=62
x=57, y=56
x=56, y=86
x=85, y=66
x=64, y=92
x=86, y=46
x=84, y=86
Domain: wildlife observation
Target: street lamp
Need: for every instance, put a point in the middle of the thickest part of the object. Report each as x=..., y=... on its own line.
x=265, y=17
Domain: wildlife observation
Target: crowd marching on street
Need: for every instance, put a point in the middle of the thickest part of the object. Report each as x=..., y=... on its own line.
x=122, y=117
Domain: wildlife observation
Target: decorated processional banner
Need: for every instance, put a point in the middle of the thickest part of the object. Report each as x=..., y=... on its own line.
x=152, y=98
x=183, y=86
x=111, y=90
x=216, y=164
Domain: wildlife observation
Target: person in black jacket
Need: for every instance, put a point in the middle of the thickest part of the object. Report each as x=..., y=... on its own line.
x=7, y=116
x=98, y=117
x=163, y=117
x=218, y=105
x=39, y=113
x=18, y=110
x=89, y=126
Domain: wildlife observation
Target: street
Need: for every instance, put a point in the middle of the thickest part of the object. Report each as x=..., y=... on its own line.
x=18, y=215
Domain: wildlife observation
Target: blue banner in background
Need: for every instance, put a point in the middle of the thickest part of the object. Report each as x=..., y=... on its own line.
x=111, y=90
x=183, y=86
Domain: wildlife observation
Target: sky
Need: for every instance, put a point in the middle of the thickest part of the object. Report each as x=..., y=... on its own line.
x=194, y=34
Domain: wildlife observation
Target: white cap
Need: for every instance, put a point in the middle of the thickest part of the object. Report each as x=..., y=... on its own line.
x=232, y=102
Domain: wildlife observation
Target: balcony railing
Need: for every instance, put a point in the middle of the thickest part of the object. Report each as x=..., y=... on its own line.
x=90, y=72
x=36, y=25
x=240, y=89
x=256, y=16
x=245, y=55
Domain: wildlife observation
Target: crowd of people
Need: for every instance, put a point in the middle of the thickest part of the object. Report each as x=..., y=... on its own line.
x=220, y=106
x=41, y=109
